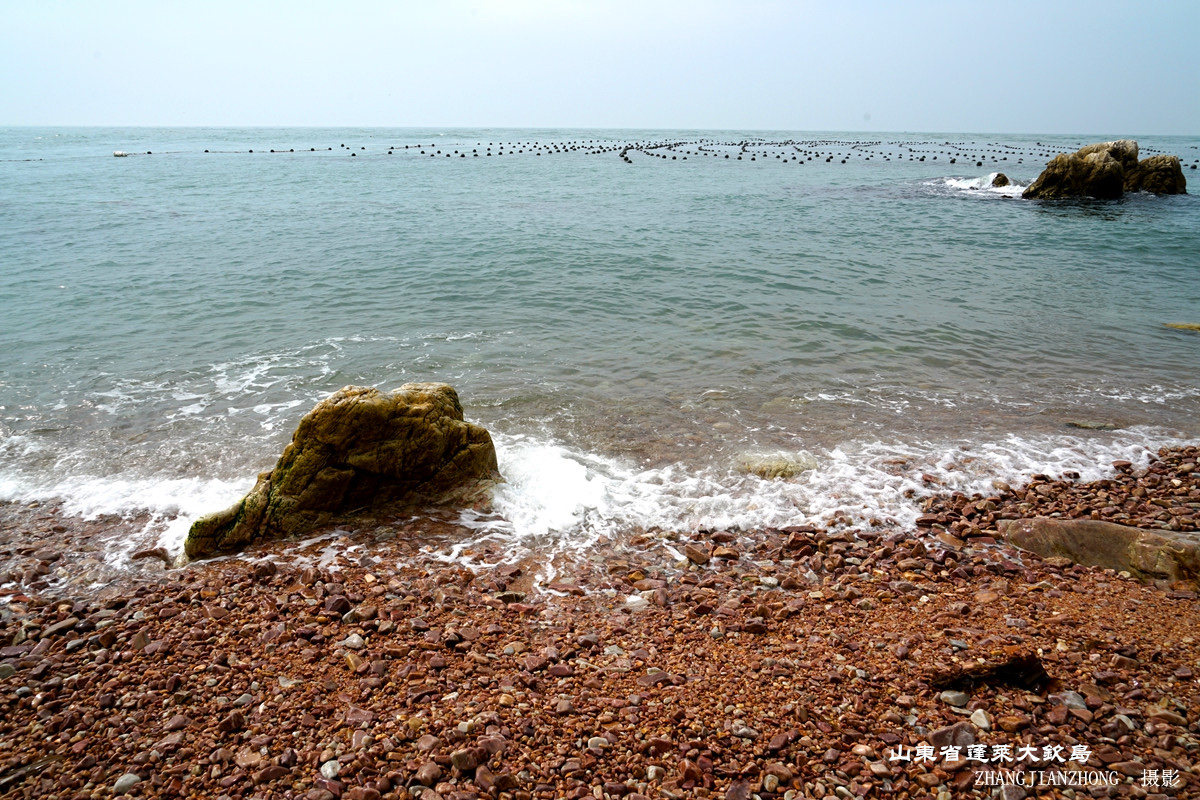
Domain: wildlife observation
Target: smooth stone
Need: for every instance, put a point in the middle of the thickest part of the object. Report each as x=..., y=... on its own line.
x=1073, y=699
x=1147, y=555
x=955, y=698
x=354, y=642
x=980, y=720
x=636, y=602
x=126, y=782
x=464, y=760
x=330, y=769
x=744, y=732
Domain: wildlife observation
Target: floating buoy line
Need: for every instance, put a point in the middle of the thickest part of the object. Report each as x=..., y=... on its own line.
x=786, y=151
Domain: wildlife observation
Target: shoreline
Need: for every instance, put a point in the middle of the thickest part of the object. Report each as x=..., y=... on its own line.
x=793, y=660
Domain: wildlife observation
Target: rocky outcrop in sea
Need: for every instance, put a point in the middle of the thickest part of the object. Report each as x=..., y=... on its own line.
x=1106, y=171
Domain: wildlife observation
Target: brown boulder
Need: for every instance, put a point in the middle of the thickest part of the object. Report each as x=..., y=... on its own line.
x=359, y=449
x=1000, y=180
x=1125, y=151
x=1096, y=174
x=1157, y=174
x=1105, y=171
x=1148, y=555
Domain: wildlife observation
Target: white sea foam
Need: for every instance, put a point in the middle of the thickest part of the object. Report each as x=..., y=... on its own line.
x=979, y=184
x=169, y=504
x=558, y=499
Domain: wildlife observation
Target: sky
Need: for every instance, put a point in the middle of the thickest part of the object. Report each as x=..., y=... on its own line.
x=861, y=65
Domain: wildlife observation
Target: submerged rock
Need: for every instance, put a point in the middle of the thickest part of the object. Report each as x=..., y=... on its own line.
x=359, y=449
x=1105, y=171
x=1092, y=425
x=1147, y=555
x=776, y=465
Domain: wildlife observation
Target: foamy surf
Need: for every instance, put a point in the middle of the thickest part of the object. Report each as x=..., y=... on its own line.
x=559, y=501
x=168, y=506
x=982, y=184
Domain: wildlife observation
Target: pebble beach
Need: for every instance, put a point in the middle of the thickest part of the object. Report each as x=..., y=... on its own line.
x=799, y=662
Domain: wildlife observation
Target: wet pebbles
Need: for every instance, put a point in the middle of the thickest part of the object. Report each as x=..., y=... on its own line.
x=782, y=663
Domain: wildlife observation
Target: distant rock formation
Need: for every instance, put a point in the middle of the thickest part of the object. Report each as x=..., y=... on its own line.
x=1000, y=180
x=1148, y=555
x=1097, y=170
x=1105, y=171
x=359, y=449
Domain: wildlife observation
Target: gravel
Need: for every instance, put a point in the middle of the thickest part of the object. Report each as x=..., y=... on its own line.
x=718, y=684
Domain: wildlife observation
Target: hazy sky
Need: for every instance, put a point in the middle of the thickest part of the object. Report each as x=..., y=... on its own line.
x=1045, y=67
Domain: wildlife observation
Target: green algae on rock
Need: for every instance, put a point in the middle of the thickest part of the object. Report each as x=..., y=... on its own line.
x=359, y=449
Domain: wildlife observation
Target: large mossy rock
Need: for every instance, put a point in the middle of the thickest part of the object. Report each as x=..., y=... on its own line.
x=1148, y=555
x=1105, y=171
x=359, y=449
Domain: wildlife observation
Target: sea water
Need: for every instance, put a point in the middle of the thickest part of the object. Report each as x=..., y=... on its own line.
x=635, y=315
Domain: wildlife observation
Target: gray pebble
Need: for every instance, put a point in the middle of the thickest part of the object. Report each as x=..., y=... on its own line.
x=126, y=782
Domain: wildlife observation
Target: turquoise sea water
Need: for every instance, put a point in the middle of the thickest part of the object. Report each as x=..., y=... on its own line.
x=630, y=328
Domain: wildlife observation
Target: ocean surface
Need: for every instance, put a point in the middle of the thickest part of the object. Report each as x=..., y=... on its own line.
x=635, y=315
